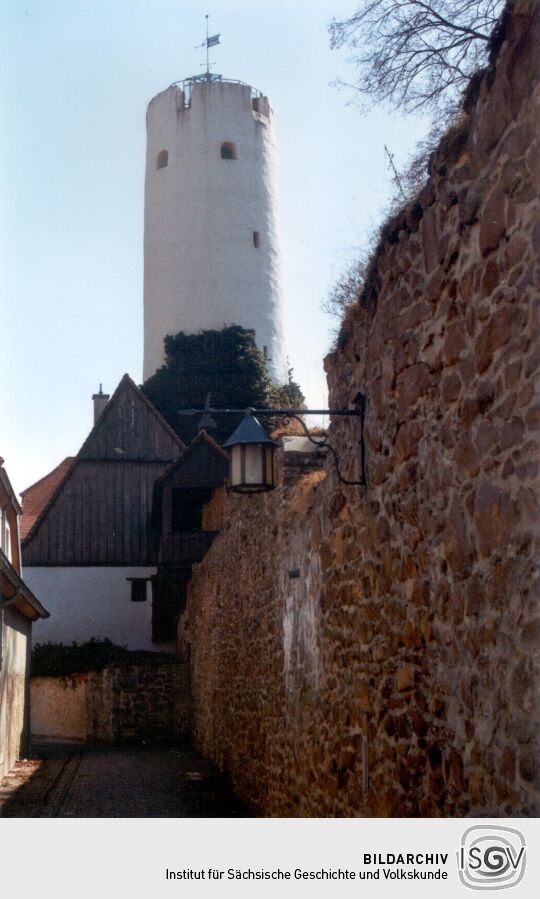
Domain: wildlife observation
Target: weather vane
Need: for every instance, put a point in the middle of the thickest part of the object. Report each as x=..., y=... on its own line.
x=211, y=41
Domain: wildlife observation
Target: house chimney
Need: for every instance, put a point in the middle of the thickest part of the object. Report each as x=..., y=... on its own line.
x=100, y=401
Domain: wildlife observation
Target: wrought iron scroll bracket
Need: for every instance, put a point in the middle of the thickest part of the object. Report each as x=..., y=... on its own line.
x=322, y=442
x=358, y=411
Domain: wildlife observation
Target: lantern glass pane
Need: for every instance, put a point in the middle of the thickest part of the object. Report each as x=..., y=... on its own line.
x=254, y=464
x=236, y=465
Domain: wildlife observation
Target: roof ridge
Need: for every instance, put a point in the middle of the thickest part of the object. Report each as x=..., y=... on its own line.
x=204, y=435
x=201, y=435
x=155, y=410
x=126, y=379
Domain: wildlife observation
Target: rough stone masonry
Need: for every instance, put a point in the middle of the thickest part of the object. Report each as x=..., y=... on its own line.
x=395, y=675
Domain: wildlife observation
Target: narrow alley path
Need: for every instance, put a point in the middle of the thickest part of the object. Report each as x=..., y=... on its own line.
x=91, y=781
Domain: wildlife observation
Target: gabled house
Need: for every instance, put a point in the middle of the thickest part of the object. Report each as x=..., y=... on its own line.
x=91, y=551
x=19, y=608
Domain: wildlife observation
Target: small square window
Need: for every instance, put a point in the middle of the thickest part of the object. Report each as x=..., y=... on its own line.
x=138, y=589
x=228, y=150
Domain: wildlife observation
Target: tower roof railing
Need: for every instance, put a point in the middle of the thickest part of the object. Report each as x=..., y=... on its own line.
x=187, y=84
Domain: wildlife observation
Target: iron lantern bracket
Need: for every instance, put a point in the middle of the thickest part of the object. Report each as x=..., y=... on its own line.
x=358, y=411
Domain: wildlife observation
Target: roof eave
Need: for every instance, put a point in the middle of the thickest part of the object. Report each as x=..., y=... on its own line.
x=6, y=483
x=22, y=597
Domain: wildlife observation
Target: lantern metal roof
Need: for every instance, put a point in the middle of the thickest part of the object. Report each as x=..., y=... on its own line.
x=250, y=430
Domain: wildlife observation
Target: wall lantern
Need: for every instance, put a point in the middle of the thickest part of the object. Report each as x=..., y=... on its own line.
x=252, y=450
x=252, y=457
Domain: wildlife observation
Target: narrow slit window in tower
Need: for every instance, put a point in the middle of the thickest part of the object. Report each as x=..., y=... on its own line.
x=163, y=159
x=256, y=241
x=228, y=150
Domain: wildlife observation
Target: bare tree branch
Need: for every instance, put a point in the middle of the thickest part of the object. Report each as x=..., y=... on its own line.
x=416, y=54
x=347, y=288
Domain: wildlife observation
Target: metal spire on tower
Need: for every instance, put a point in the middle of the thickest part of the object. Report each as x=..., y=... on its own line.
x=211, y=41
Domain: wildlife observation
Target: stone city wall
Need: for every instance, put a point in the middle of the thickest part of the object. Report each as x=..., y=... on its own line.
x=395, y=675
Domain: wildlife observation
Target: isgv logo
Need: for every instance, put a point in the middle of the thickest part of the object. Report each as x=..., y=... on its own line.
x=491, y=857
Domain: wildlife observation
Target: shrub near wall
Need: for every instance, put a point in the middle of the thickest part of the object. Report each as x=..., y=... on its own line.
x=395, y=676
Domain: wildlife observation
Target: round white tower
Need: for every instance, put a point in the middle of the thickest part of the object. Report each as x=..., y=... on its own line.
x=211, y=247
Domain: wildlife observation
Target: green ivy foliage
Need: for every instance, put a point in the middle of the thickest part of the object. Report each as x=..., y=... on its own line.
x=226, y=364
x=62, y=660
x=287, y=396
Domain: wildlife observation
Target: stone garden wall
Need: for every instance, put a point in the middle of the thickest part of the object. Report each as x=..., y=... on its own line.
x=144, y=700
x=395, y=675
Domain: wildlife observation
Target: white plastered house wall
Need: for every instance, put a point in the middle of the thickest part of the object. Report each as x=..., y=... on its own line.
x=89, y=601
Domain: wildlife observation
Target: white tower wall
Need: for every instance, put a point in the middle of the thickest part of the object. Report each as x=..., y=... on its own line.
x=201, y=267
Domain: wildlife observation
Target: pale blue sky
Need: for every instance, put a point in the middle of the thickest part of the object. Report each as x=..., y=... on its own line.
x=77, y=77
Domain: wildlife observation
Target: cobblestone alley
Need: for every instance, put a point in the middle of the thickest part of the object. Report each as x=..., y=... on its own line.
x=71, y=780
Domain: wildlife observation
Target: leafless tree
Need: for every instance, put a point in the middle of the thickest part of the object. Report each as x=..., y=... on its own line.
x=417, y=54
x=347, y=289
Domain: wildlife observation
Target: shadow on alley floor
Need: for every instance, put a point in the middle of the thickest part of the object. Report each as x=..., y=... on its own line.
x=76, y=780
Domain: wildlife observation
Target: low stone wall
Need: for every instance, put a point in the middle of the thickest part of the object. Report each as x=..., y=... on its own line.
x=396, y=675
x=58, y=707
x=147, y=700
